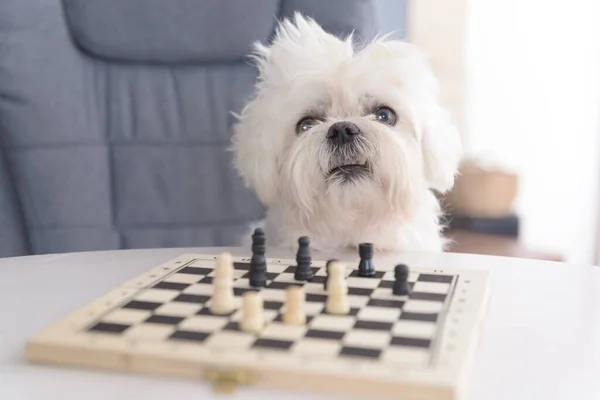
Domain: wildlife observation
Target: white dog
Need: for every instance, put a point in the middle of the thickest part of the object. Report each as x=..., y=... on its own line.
x=345, y=145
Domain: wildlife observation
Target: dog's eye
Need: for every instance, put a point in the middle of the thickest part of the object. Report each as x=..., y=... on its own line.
x=305, y=124
x=385, y=115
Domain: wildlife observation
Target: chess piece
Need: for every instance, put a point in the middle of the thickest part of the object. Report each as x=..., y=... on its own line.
x=294, y=306
x=252, y=312
x=401, y=287
x=303, y=271
x=366, y=267
x=337, y=290
x=258, y=264
x=222, y=301
x=327, y=272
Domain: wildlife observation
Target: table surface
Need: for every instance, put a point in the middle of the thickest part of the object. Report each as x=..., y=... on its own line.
x=541, y=338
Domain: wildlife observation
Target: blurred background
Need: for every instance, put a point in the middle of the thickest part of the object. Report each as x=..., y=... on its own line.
x=115, y=118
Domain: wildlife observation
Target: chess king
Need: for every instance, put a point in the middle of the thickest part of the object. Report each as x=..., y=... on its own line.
x=346, y=145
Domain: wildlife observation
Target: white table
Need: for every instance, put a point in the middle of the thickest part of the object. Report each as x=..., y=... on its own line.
x=541, y=339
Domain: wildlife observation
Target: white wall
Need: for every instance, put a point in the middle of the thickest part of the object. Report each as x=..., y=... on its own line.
x=532, y=73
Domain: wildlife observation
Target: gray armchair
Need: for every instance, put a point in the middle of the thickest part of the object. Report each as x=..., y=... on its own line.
x=115, y=116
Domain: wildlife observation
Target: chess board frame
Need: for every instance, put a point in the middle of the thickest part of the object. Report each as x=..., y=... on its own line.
x=65, y=344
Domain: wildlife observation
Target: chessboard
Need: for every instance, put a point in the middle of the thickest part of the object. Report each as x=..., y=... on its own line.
x=418, y=345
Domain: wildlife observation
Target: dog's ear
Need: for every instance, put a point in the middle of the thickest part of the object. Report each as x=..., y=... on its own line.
x=442, y=149
x=254, y=159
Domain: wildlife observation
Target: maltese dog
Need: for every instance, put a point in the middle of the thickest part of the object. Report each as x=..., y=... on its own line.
x=346, y=145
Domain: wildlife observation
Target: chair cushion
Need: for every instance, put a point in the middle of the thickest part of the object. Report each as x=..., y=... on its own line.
x=181, y=31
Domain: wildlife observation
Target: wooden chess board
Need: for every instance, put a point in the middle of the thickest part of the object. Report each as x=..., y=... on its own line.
x=418, y=346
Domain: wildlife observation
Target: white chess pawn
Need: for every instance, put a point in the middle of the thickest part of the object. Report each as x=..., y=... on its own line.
x=253, y=319
x=222, y=301
x=337, y=290
x=294, y=306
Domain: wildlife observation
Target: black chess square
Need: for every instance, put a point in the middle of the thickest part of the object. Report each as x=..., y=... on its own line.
x=270, y=275
x=322, y=334
x=242, y=266
x=386, y=284
x=318, y=279
x=142, y=305
x=353, y=312
x=206, y=279
x=164, y=319
x=231, y=326
x=419, y=316
x=272, y=344
x=354, y=291
x=435, y=278
x=279, y=318
x=283, y=285
x=410, y=342
x=378, y=275
x=206, y=311
x=385, y=303
x=171, y=285
x=319, y=298
x=292, y=269
x=195, y=270
x=360, y=352
x=190, y=335
x=192, y=298
x=373, y=325
x=108, y=327
x=272, y=305
x=428, y=296
x=240, y=291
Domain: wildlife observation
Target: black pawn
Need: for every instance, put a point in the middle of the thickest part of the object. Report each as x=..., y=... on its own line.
x=366, y=267
x=258, y=264
x=303, y=259
x=327, y=272
x=401, y=287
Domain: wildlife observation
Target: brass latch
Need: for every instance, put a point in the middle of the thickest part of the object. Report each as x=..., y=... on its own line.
x=226, y=381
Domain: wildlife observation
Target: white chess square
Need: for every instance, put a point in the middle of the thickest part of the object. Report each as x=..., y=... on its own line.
x=237, y=273
x=405, y=357
x=273, y=294
x=414, y=329
x=360, y=282
x=269, y=315
x=285, y=277
x=357, y=301
x=379, y=314
x=231, y=340
x=432, y=287
x=338, y=323
x=365, y=338
x=150, y=331
x=316, y=288
x=182, y=278
x=178, y=309
x=423, y=306
x=203, y=323
x=282, y=331
x=205, y=289
x=242, y=283
x=386, y=294
x=317, y=347
x=157, y=295
x=276, y=267
x=127, y=316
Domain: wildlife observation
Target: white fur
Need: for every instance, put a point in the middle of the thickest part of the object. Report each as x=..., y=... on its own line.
x=396, y=209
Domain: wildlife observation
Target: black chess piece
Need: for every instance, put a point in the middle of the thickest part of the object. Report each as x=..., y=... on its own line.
x=366, y=268
x=303, y=260
x=327, y=272
x=401, y=287
x=258, y=263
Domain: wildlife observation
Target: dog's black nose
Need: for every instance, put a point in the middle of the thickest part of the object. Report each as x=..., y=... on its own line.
x=342, y=132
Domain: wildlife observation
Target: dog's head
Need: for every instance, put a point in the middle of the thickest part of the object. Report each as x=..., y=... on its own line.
x=330, y=124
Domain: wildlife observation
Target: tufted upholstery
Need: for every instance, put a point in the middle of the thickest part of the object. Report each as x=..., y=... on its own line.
x=115, y=117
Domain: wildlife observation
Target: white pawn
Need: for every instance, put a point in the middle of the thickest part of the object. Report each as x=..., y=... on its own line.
x=253, y=319
x=294, y=306
x=222, y=301
x=337, y=299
